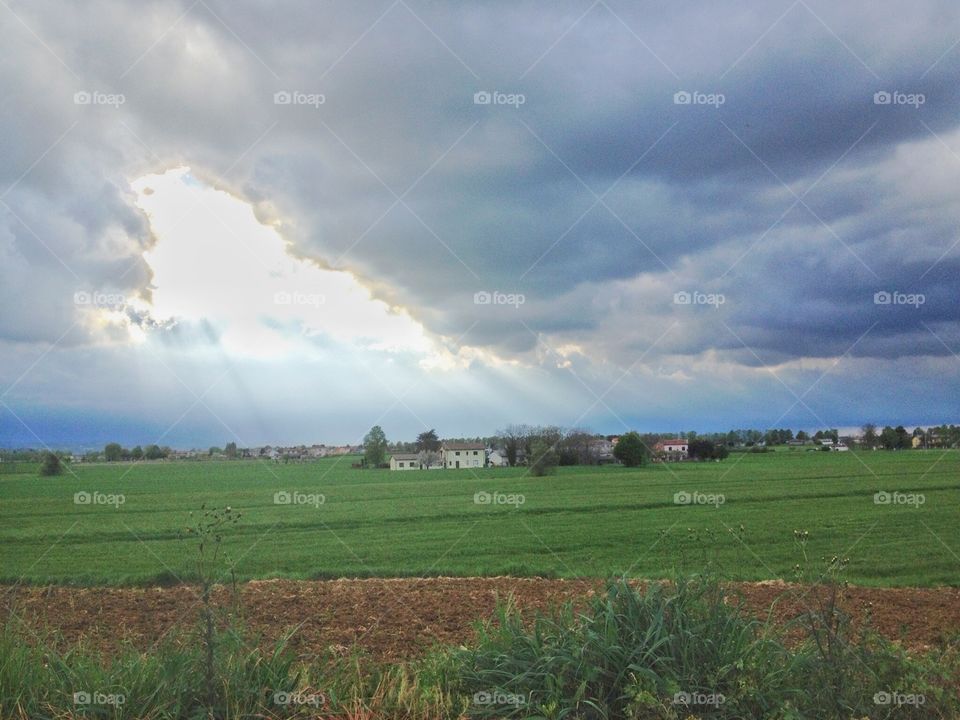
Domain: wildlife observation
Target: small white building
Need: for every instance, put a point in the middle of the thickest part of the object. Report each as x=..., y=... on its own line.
x=404, y=461
x=496, y=459
x=463, y=455
x=676, y=446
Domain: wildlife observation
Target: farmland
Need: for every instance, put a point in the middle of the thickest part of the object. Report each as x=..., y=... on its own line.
x=582, y=522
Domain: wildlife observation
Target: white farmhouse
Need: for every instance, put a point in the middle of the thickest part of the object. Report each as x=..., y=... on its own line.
x=463, y=455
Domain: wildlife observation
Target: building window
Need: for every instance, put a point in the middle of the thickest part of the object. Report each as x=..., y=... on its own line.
x=458, y=453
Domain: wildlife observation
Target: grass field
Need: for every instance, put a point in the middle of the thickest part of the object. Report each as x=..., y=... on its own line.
x=581, y=522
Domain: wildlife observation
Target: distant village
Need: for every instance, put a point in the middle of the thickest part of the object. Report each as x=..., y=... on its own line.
x=512, y=447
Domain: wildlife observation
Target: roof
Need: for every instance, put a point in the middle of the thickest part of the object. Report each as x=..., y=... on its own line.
x=404, y=456
x=674, y=441
x=463, y=446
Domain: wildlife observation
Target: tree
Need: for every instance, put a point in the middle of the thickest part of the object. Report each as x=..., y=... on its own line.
x=375, y=447
x=543, y=457
x=112, y=452
x=870, y=435
x=707, y=450
x=137, y=453
x=889, y=439
x=630, y=449
x=428, y=441
x=428, y=458
x=230, y=450
x=904, y=440
x=51, y=465
x=802, y=435
x=153, y=452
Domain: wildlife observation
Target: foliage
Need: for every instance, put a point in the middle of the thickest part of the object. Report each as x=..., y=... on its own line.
x=375, y=447
x=52, y=465
x=631, y=450
x=672, y=651
x=543, y=458
x=707, y=450
x=427, y=441
x=112, y=452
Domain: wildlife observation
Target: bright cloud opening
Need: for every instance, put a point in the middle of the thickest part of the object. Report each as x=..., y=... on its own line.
x=215, y=263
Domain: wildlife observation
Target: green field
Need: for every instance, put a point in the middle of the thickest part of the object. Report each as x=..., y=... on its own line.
x=581, y=522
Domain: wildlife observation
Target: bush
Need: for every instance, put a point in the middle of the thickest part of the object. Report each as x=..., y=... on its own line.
x=543, y=458
x=636, y=654
x=630, y=449
x=52, y=465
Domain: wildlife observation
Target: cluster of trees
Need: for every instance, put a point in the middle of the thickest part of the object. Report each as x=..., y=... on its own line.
x=114, y=452
x=571, y=446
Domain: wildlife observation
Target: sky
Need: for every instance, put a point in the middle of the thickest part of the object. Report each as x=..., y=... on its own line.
x=235, y=221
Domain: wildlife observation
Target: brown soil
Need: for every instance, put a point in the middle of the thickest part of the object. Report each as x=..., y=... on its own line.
x=401, y=618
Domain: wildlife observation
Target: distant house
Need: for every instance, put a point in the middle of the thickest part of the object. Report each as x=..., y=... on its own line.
x=673, y=449
x=496, y=459
x=463, y=455
x=404, y=461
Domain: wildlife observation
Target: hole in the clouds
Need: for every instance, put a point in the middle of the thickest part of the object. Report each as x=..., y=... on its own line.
x=214, y=262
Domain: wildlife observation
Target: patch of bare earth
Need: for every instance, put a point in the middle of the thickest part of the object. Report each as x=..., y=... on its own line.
x=394, y=619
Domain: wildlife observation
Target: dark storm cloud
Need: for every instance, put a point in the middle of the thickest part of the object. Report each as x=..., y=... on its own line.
x=797, y=197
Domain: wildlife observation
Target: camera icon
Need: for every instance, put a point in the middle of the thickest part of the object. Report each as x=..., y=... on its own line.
x=482, y=98
x=82, y=98
x=882, y=98
x=282, y=298
x=882, y=698
x=282, y=498
x=482, y=498
x=282, y=98
x=682, y=97
x=482, y=298
x=82, y=498
x=484, y=697
x=682, y=498
x=281, y=698
x=81, y=298
x=881, y=498
x=882, y=298
x=682, y=298
x=81, y=698
x=681, y=698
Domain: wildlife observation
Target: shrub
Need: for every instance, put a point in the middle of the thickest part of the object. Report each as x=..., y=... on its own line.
x=52, y=465
x=543, y=458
